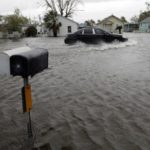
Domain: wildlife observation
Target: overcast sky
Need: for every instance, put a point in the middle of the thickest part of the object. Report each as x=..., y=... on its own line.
x=90, y=9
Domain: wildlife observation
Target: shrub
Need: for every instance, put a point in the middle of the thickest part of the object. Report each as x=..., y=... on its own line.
x=31, y=31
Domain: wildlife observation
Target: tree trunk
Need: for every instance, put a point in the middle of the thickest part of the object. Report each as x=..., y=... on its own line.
x=54, y=33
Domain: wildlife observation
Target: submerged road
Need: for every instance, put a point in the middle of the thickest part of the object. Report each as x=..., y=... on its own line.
x=92, y=97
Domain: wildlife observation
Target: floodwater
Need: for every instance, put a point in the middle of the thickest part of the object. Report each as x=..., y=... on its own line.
x=92, y=97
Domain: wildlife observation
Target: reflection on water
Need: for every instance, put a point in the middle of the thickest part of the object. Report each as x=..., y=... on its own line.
x=92, y=97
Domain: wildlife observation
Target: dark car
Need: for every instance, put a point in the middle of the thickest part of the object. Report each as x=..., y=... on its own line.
x=93, y=36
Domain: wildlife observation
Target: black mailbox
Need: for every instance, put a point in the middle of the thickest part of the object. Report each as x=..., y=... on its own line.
x=29, y=63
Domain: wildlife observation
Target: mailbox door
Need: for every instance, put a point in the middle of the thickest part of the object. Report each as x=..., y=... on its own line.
x=19, y=66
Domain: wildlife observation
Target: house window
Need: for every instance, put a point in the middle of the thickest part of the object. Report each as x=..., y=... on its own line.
x=69, y=29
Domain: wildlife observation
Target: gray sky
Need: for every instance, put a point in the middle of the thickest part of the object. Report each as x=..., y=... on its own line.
x=90, y=9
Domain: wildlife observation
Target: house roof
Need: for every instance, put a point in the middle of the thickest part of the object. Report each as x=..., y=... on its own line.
x=146, y=20
x=105, y=19
x=69, y=19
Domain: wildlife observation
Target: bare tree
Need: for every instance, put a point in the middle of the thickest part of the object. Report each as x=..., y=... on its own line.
x=147, y=5
x=65, y=8
x=98, y=22
x=90, y=23
x=135, y=19
x=123, y=19
x=1, y=18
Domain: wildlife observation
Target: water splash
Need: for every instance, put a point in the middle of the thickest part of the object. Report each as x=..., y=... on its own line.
x=114, y=45
x=102, y=46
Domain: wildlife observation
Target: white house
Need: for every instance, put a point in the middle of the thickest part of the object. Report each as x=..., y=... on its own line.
x=41, y=29
x=111, y=23
x=145, y=25
x=67, y=26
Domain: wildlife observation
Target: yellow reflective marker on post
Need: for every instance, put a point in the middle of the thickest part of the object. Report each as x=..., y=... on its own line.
x=28, y=98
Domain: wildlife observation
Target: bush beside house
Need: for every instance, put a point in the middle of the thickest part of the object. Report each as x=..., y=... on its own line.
x=31, y=31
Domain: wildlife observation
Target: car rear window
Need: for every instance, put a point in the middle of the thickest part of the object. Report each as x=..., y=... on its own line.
x=99, y=31
x=79, y=32
x=88, y=31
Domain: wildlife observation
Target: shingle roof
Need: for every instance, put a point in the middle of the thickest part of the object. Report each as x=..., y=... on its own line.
x=105, y=19
x=69, y=19
x=146, y=20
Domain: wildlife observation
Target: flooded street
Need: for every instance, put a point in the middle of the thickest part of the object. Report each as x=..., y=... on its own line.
x=92, y=97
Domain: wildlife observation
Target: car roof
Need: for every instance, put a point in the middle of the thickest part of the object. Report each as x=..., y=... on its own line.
x=91, y=28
